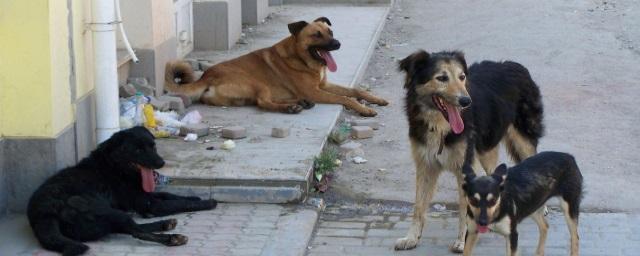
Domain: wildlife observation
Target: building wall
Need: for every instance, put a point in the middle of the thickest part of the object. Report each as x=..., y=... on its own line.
x=35, y=68
x=47, y=113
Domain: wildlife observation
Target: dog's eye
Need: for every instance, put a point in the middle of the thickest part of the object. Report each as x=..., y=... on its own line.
x=317, y=35
x=462, y=77
x=442, y=78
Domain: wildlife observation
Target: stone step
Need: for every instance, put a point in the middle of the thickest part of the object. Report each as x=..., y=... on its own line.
x=262, y=168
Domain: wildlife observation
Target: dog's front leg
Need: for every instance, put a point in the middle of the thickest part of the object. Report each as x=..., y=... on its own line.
x=458, y=245
x=315, y=94
x=354, y=93
x=159, y=208
x=426, y=182
x=169, y=196
x=471, y=237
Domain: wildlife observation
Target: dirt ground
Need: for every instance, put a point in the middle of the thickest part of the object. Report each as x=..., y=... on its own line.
x=584, y=55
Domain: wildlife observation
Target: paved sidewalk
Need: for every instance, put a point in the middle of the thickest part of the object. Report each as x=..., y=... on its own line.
x=230, y=229
x=370, y=235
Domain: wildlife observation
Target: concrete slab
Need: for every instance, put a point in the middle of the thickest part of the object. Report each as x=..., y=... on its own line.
x=217, y=24
x=262, y=168
x=254, y=11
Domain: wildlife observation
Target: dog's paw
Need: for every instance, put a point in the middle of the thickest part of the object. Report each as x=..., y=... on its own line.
x=294, y=109
x=210, y=203
x=457, y=246
x=306, y=104
x=368, y=113
x=176, y=240
x=381, y=102
x=405, y=244
x=75, y=249
x=169, y=224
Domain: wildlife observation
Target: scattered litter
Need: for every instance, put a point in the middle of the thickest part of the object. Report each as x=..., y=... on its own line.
x=337, y=162
x=228, y=145
x=440, y=207
x=169, y=119
x=193, y=117
x=211, y=148
x=382, y=170
x=191, y=137
x=206, y=141
x=359, y=160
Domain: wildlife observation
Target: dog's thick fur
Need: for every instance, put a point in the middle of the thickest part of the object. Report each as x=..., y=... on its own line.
x=288, y=77
x=90, y=200
x=506, y=197
x=504, y=105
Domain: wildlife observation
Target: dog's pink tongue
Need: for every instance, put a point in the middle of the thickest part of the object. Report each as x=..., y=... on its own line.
x=483, y=229
x=148, y=183
x=331, y=64
x=455, y=120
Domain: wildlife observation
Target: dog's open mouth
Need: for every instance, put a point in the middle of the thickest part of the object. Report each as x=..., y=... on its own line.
x=450, y=112
x=483, y=229
x=324, y=56
x=148, y=178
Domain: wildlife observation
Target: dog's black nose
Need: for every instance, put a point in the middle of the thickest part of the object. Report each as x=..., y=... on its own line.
x=464, y=101
x=482, y=222
x=335, y=44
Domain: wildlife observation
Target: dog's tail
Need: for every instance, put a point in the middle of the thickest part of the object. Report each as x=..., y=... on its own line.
x=187, y=85
x=529, y=108
x=47, y=231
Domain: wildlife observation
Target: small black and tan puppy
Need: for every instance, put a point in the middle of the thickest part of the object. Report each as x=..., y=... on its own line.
x=500, y=201
x=90, y=200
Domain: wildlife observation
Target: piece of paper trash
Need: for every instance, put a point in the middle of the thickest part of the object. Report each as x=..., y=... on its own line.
x=228, y=145
x=359, y=160
x=192, y=117
x=439, y=207
x=191, y=137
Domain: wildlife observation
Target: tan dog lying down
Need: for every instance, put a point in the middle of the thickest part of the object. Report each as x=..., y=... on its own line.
x=286, y=77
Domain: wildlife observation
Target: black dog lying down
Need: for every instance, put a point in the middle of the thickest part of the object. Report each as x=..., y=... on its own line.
x=90, y=200
x=503, y=199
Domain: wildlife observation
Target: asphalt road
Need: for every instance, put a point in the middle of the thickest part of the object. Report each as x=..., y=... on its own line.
x=583, y=54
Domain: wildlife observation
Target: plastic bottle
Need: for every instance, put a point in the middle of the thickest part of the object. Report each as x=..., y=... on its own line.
x=138, y=118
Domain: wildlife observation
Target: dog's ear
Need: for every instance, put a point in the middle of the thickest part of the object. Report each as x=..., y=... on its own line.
x=323, y=19
x=459, y=56
x=468, y=175
x=412, y=63
x=500, y=174
x=296, y=27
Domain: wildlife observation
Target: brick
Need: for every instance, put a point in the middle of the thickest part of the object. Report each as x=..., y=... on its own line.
x=279, y=132
x=234, y=132
x=186, y=100
x=162, y=105
x=366, y=122
x=195, y=65
x=142, y=85
x=204, y=65
x=340, y=232
x=175, y=103
x=127, y=90
x=361, y=132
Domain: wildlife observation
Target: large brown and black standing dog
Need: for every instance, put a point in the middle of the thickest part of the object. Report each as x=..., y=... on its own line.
x=287, y=77
x=456, y=114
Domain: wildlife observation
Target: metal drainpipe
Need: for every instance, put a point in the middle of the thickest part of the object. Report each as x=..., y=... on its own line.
x=105, y=69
